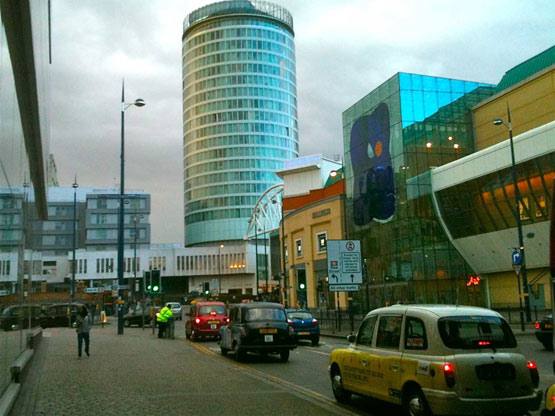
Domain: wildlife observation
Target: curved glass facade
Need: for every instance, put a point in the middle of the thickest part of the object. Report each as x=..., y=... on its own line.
x=239, y=113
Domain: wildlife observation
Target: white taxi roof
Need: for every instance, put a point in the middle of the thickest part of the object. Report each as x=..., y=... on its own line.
x=438, y=310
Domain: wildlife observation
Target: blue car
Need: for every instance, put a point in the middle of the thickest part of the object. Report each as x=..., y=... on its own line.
x=304, y=325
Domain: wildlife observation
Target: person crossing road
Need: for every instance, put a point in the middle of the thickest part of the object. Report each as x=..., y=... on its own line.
x=162, y=318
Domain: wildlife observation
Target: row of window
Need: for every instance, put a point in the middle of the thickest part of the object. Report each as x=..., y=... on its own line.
x=60, y=211
x=6, y=235
x=237, y=68
x=231, y=177
x=240, y=92
x=112, y=234
x=113, y=218
x=240, y=22
x=241, y=139
x=241, y=103
x=113, y=203
x=52, y=225
x=234, y=44
x=7, y=201
x=230, y=152
x=276, y=35
x=244, y=79
x=229, y=116
x=321, y=245
x=239, y=56
x=237, y=164
x=238, y=127
x=234, y=201
x=228, y=189
x=54, y=240
x=9, y=219
x=233, y=261
x=157, y=262
x=222, y=214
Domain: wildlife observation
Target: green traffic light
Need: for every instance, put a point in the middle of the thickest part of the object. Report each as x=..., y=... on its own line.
x=149, y=287
x=155, y=289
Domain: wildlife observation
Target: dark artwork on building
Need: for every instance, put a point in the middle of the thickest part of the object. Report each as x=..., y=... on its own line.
x=373, y=185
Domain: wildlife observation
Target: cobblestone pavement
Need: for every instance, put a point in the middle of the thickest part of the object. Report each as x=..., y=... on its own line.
x=139, y=374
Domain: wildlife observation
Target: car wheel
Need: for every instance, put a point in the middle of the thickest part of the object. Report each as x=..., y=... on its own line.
x=194, y=335
x=315, y=340
x=187, y=334
x=224, y=351
x=339, y=392
x=548, y=345
x=239, y=354
x=284, y=355
x=414, y=403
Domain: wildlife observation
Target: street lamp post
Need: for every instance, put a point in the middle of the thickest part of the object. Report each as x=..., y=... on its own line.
x=139, y=103
x=75, y=186
x=499, y=122
x=220, y=270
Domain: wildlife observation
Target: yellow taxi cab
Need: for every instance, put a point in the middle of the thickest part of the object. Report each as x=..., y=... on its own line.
x=437, y=360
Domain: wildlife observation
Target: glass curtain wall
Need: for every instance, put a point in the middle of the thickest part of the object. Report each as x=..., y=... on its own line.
x=239, y=113
x=17, y=308
x=392, y=137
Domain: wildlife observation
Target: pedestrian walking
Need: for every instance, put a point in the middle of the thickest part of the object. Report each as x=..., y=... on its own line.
x=83, y=324
x=162, y=319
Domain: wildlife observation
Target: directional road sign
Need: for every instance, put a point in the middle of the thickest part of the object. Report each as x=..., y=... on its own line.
x=344, y=265
x=516, y=268
x=344, y=288
x=94, y=290
x=517, y=257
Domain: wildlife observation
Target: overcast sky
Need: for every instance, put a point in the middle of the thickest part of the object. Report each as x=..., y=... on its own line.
x=345, y=49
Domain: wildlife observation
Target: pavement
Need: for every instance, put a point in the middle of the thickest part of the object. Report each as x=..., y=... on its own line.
x=139, y=374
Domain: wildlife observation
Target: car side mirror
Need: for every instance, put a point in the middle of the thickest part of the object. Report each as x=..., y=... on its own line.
x=351, y=338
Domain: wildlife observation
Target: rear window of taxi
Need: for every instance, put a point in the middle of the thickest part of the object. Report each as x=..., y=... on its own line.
x=476, y=332
x=265, y=314
x=208, y=309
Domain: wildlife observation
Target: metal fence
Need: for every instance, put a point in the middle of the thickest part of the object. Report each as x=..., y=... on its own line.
x=341, y=321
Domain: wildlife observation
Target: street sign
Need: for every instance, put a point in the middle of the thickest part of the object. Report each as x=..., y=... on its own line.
x=517, y=257
x=344, y=288
x=124, y=287
x=94, y=290
x=516, y=268
x=4, y=292
x=344, y=265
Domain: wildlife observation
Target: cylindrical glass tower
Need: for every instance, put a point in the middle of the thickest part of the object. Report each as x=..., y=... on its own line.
x=239, y=113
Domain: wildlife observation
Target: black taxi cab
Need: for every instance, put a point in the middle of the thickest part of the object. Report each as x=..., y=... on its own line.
x=437, y=360
x=260, y=327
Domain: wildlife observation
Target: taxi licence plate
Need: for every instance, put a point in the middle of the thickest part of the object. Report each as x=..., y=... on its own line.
x=268, y=331
x=304, y=333
x=213, y=326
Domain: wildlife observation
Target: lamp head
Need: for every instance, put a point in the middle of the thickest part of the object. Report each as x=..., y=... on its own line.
x=75, y=185
x=139, y=102
x=498, y=122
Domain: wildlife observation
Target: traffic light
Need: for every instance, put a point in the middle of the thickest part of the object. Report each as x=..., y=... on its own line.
x=147, y=281
x=206, y=288
x=156, y=281
x=301, y=282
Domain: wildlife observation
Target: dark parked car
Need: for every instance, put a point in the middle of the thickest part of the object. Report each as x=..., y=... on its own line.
x=135, y=317
x=544, y=331
x=257, y=327
x=304, y=325
x=205, y=319
x=57, y=315
x=10, y=318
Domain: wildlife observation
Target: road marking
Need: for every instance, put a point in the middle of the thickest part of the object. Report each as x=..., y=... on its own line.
x=292, y=388
x=320, y=352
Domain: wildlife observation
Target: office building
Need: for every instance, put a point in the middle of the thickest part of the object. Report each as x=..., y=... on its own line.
x=392, y=137
x=239, y=113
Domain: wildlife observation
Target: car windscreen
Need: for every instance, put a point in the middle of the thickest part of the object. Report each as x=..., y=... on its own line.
x=299, y=315
x=208, y=309
x=265, y=314
x=476, y=332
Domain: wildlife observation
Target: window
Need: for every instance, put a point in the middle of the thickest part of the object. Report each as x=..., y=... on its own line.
x=475, y=332
x=389, y=331
x=322, y=241
x=299, y=247
x=415, y=334
x=523, y=208
x=286, y=255
x=540, y=206
x=366, y=331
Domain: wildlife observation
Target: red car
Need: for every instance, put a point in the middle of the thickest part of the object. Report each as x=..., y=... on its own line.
x=205, y=320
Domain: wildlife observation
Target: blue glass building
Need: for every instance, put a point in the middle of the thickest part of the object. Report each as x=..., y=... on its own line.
x=392, y=137
x=239, y=113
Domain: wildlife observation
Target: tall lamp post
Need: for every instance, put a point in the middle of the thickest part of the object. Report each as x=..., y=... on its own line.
x=498, y=122
x=124, y=106
x=75, y=186
x=220, y=269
